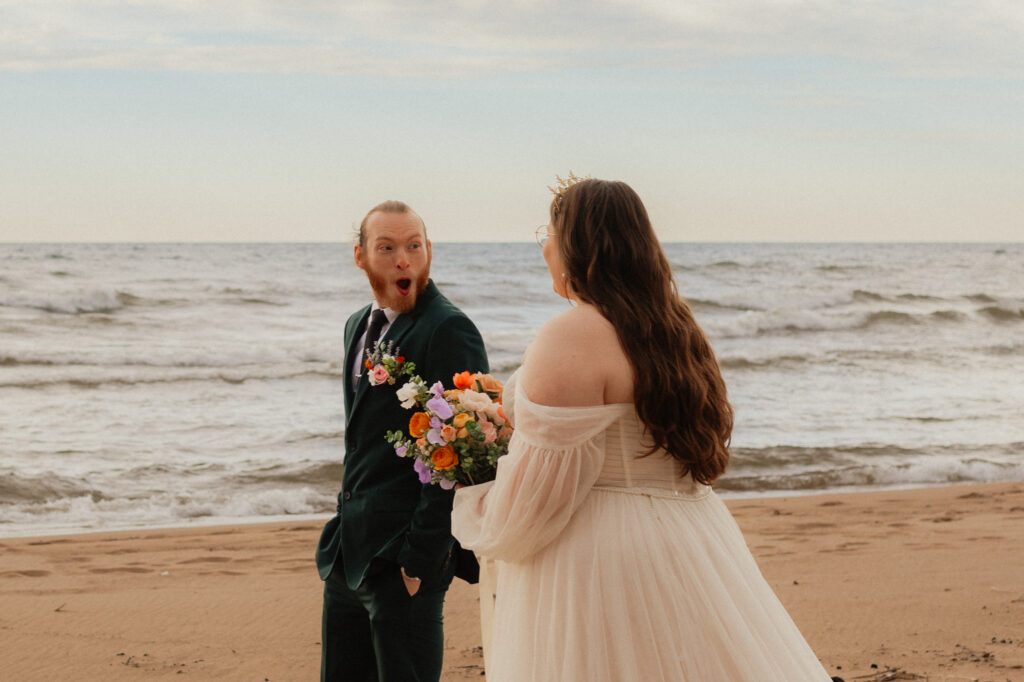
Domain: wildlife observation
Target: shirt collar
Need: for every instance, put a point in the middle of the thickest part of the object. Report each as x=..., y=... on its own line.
x=392, y=315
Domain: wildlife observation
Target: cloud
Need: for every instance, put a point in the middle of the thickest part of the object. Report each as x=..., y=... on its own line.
x=414, y=38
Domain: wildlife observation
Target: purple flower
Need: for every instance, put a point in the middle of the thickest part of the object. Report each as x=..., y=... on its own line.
x=435, y=423
x=440, y=407
x=447, y=484
x=422, y=470
x=437, y=389
x=434, y=437
x=400, y=449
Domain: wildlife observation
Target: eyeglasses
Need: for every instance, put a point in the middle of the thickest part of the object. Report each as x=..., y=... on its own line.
x=543, y=232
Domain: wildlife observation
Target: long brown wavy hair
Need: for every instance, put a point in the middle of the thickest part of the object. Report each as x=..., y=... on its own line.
x=615, y=262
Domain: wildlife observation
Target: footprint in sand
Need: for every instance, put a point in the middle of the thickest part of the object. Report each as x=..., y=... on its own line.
x=846, y=547
x=206, y=560
x=25, y=574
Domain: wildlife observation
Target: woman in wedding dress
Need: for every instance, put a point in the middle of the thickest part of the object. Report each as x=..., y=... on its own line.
x=616, y=560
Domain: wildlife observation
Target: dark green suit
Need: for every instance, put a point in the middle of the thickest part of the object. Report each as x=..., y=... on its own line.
x=386, y=518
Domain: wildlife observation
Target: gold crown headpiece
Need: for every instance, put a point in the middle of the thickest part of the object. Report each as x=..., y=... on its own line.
x=564, y=184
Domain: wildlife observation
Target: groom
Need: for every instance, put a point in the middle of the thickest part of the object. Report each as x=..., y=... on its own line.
x=388, y=557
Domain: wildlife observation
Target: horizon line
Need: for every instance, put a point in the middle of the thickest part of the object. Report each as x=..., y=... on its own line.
x=518, y=241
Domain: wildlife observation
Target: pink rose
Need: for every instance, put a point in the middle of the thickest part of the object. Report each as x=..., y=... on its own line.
x=490, y=433
x=448, y=432
x=379, y=375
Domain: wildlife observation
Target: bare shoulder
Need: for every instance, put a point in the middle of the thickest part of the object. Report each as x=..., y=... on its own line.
x=573, y=360
x=579, y=322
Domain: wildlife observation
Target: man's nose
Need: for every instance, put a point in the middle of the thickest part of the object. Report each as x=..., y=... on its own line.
x=403, y=259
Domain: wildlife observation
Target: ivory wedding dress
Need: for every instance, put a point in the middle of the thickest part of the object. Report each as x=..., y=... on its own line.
x=612, y=567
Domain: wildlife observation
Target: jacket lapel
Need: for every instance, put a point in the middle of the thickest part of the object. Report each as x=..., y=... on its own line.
x=397, y=329
x=350, y=340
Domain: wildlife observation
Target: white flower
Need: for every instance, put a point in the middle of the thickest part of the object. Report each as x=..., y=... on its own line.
x=407, y=394
x=472, y=401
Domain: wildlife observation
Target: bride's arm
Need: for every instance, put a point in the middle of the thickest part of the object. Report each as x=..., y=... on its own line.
x=540, y=485
x=556, y=454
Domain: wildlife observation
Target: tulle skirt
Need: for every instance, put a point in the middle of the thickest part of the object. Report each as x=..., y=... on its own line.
x=644, y=587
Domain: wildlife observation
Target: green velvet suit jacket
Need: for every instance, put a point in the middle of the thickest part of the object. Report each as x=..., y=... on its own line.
x=384, y=512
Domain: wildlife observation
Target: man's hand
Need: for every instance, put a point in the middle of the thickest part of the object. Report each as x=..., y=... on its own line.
x=412, y=585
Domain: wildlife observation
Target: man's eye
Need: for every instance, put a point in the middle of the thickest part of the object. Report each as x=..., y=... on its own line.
x=384, y=248
x=414, y=246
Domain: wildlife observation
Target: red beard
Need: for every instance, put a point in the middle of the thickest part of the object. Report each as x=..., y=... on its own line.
x=387, y=294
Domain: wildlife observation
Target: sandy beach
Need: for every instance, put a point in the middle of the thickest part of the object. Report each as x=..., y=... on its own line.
x=911, y=584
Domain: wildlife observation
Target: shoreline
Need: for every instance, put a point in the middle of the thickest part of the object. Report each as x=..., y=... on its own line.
x=925, y=580
x=200, y=523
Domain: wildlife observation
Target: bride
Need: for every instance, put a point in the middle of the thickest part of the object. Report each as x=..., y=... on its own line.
x=616, y=560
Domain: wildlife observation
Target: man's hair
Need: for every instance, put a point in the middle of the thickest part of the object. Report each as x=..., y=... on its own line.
x=390, y=206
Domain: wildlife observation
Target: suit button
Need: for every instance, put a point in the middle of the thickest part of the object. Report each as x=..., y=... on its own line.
x=347, y=495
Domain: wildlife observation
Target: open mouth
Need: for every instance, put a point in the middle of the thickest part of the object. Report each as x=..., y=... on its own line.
x=404, y=285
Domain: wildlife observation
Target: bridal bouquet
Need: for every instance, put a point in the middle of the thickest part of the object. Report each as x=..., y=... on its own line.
x=456, y=435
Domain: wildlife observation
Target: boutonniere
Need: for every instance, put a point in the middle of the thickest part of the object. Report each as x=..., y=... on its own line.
x=385, y=365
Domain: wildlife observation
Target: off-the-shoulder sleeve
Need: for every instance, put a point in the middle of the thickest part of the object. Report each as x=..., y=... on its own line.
x=555, y=456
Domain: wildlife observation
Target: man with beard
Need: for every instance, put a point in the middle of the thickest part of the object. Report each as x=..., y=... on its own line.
x=388, y=557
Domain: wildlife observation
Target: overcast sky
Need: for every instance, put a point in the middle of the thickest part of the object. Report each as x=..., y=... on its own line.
x=223, y=120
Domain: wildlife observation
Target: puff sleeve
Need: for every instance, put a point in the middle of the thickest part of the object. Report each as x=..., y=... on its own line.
x=555, y=456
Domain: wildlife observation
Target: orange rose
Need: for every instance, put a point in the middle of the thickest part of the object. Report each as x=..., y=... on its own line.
x=369, y=365
x=418, y=424
x=463, y=380
x=460, y=420
x=444, y=458
x=501, y=413
x=489, y=384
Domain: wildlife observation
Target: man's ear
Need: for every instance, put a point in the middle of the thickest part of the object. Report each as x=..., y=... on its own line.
x=357, y=256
